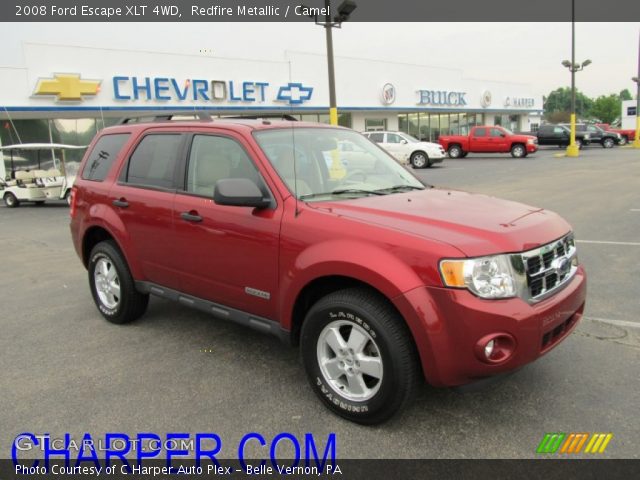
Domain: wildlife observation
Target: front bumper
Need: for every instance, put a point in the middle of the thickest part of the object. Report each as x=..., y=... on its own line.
x=532, y=147
x=447, y=325
x=436, y=156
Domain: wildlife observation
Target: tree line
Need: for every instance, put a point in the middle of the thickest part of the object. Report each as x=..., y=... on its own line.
x=605, y=108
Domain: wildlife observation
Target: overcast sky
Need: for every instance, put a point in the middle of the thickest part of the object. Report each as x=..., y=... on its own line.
x=516, y=52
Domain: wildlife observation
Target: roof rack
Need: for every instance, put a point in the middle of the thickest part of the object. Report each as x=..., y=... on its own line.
x=188, y=115
x=281, y=116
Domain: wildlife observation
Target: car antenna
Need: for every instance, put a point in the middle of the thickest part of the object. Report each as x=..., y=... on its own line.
x=293, y=146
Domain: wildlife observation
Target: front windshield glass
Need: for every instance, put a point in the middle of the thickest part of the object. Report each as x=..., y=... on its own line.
x=409, y=138
x=333, y=164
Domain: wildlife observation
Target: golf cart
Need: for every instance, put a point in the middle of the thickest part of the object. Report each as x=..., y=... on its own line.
x=27, y=182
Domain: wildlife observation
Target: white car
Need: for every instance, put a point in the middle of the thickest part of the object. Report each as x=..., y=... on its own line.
x=407, y=149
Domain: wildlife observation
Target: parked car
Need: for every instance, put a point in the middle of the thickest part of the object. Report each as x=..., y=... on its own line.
x=597, y=135
x=560, y=135
x=378, y=278
x=626, y=134
x=489, y=140
x=407, y=149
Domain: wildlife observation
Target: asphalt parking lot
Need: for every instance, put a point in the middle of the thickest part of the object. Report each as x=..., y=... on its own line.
x=65, y=369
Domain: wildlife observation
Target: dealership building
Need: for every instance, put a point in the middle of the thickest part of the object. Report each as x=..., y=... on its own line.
x=67, y=93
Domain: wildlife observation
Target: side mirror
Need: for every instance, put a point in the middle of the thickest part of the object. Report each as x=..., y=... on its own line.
x=403, y=141
x=239, y=192
x=502, y=134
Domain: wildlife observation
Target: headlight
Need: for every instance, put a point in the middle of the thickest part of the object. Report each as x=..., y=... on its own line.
x=487, y=277
x=530, y=141
x=586, y=136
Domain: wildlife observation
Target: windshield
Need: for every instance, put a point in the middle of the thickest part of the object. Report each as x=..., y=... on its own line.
x=507, y=131
x=333, y=164
x=409, y=138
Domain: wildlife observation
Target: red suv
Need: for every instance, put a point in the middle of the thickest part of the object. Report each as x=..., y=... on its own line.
x=380, y=279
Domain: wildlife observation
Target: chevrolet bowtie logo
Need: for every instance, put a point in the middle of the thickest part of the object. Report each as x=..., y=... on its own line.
x=67, y=86
x=294, y=93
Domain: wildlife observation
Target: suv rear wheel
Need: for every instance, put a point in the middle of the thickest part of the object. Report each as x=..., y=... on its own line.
x=112, y=285
x=359, y=356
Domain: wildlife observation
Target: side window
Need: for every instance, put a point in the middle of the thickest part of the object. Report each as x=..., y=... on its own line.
x=103, y=155
x=153, y=163
x=393, y=138
x=480, y=132
x=558, y=130
x=214, y=158
x=495, y=132
x=377, y=137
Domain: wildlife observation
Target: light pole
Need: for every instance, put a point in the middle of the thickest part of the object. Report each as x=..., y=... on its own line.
x=636, y=141
x=330, y=22
x=572, y=149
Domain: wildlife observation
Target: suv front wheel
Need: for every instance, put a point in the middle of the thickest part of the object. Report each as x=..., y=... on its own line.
x=112, y=285
x=359, y=356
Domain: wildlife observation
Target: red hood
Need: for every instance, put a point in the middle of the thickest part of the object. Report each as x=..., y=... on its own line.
x=475, y=224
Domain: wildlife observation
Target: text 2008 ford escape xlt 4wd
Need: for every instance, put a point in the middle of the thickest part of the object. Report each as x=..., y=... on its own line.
x=378, y=278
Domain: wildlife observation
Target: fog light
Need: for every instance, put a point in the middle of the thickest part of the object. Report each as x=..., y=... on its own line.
x=488, y=349
x=495, y=348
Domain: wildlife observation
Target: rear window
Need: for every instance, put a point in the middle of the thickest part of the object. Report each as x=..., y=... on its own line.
x=103, y=155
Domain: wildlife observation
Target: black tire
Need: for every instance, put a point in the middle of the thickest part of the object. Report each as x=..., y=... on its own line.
x=623, y=140
x=360, y=310
x=518, y=151
x=579, y=143
x=608, y=142
x=455, y=151
x=10, y=200
x=420, y=160
x=67, y=197
x=131, y=304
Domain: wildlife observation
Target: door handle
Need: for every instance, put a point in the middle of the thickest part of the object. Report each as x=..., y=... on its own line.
x=191, y=216
x=121, y=202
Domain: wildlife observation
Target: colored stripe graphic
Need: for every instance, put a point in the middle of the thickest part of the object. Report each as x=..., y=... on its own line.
x=551, y=442
x=598, y=443
x=572, y=443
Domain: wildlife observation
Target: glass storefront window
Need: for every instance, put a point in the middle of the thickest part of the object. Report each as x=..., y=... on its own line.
x=454, y=124
x=434, y=127
x=414, y=125
x=373, y=124
x=344, y=120
x=424, y=127
x=403, y=123
x=444, y=124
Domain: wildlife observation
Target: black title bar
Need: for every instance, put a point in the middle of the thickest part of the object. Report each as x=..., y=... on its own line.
x=292, y=11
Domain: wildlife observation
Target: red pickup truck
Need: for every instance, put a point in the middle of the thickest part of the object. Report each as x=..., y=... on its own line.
x=489, y=140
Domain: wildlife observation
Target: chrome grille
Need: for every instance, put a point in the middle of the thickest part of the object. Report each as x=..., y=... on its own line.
x=546, y=269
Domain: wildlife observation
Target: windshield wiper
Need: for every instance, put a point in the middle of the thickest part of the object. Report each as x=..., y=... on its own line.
x=342, y=192
x=399, y=188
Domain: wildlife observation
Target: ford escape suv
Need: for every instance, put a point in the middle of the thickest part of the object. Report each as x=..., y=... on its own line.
x=378, y=278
